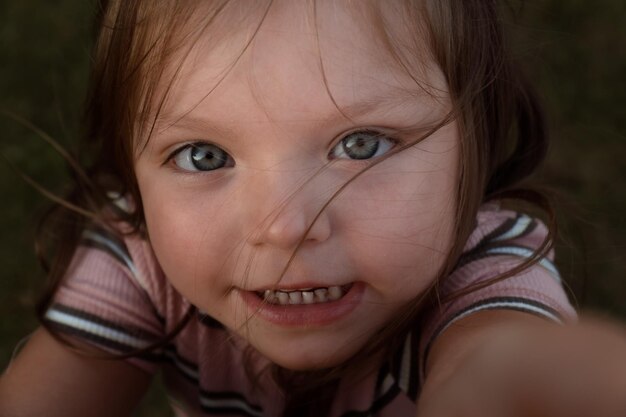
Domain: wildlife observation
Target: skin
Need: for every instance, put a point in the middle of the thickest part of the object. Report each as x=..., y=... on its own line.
x=48, y=379
x=507, y=363
x=220, y=233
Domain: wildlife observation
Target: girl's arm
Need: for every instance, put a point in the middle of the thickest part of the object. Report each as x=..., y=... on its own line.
x=466, y=337
x=510, y=363
x=48, y=379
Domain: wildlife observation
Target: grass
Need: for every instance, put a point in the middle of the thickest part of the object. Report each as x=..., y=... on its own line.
x=573, y=50
x=42, y=77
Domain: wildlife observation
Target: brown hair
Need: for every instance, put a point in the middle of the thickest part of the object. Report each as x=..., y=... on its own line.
x=503, y=131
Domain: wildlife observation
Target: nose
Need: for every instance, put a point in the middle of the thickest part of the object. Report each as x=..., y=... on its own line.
x=300, y=217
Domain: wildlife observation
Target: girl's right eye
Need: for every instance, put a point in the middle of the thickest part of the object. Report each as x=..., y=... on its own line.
x=202, y=157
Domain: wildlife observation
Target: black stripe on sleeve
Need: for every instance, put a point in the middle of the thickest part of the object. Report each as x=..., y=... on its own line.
x=114, y=240
x=228, y=402
x=129, y=330
x=486, y=251
x=505, y=227
x=523, y=253
x=405, y=365
x=187, y=369
x=103, y=342
x=412, y=391
x=488, y=241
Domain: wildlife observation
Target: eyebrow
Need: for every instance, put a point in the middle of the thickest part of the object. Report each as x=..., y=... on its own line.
x=188, y=121
x=363, y=108
x=381, y=103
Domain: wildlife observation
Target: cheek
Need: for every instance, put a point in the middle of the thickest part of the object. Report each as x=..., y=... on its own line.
x=404, y=251
x=174, y=241
x=403, y=220
x=185, y=240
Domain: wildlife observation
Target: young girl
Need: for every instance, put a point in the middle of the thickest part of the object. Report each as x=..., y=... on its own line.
x=294, y=208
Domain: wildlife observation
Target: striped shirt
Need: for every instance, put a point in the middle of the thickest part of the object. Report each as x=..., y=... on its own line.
x=116, y=297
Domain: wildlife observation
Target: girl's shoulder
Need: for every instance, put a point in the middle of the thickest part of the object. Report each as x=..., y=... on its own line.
x=507, y=264
x=123, y=251
x=507, y=250
x=115, y=296
x=497, y=224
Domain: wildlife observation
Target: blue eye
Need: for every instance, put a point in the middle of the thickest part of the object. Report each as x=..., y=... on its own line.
x=202, y=157
x=362, y=145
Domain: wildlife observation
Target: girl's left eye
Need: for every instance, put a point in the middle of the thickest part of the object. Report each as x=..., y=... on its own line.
x=362, y=145
x=201, y=157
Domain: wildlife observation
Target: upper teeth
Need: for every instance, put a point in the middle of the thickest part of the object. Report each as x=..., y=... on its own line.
x=303, y=296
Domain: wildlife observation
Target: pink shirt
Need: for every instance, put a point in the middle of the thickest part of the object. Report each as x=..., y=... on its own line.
x=116, y=297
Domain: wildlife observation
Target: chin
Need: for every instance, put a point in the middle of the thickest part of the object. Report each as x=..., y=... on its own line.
x=310, y=359
x=298, y=364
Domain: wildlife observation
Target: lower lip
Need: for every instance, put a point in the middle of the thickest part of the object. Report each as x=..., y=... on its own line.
x=303, y=315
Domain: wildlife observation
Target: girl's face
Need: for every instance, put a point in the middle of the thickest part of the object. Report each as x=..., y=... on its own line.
x=231, y=180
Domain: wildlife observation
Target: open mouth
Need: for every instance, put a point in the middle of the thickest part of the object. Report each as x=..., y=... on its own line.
x=317, y=295
x=307, y=306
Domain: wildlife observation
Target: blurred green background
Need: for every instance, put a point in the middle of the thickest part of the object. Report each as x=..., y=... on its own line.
x=575, y=51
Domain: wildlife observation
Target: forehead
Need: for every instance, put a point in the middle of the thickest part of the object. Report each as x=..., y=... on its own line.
x=295, y=58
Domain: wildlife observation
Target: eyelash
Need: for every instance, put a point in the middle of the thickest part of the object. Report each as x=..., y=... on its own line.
x=341, y=150
x=390, y=144
x=221, y=156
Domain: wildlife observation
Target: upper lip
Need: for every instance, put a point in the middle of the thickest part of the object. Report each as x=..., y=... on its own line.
x=297, y=286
